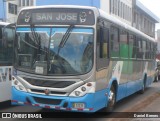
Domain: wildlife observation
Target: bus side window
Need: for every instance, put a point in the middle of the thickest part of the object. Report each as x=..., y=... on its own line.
x=139, y=49
x=124, y=44
x=153, y=50
x=144, y=49
x=100, y=41
x=104, y=42
x=132, y=46
x=114, y=41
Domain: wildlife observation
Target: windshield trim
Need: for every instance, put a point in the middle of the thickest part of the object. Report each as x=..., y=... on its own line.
x=79, y=74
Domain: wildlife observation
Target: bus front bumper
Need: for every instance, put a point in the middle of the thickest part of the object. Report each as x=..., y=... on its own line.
x=58, y=102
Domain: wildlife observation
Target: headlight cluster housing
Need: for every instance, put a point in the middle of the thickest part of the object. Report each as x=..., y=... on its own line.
x=18, y=85
x=83, y=90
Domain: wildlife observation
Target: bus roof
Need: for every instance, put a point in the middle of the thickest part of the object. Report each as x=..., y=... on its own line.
x=120, y=23
x=4, y=23
x=59, y=6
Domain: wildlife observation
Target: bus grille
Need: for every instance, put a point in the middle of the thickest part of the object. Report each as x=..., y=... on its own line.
x=47, y=101
x=47, y=83
x=52, y=92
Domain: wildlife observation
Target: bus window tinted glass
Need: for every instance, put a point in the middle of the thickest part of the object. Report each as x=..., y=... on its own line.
x=114, y=42
x=103, y=42
x=144, y=49
x=132, y=46
x=123, y=44
x=7, y=46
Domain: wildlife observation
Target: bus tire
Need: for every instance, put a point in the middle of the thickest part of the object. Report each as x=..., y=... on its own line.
x=111, y=99
x=143, y=88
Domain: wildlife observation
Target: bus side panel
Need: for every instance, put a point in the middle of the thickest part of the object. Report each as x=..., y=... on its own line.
x=122, y=87
x=121, y=92
x=131, y=87
x=100, y=101
x=134, y=77
x=151, y=74
x=118, y=74
x=5, y=83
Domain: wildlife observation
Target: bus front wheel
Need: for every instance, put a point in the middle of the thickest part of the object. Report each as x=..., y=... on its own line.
x=111, y=99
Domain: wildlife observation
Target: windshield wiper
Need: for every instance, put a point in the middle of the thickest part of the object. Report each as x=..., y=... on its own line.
x=63, y=41
x=36, y=37
x=65, y=38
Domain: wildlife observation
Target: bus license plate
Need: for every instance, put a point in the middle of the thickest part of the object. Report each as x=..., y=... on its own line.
x=78, y=105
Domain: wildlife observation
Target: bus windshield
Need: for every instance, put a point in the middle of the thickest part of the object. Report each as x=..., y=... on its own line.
x=39, y=51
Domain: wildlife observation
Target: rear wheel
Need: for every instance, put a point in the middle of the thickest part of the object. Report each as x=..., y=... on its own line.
x=156, y=78
x=143, y=87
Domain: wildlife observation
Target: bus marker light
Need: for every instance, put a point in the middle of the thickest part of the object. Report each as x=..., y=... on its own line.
x=89, y=84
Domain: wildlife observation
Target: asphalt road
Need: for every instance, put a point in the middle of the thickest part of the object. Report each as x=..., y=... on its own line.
x=129, y=104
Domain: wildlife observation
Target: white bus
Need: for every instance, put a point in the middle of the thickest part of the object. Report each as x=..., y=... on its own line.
x=6, y=60
x=78, y=58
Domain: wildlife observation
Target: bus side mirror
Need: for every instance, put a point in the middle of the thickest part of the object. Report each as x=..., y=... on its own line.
x=5, y=32
x=8, y=34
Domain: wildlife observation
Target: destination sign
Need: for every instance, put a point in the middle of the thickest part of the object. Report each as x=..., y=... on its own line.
x=56, y=16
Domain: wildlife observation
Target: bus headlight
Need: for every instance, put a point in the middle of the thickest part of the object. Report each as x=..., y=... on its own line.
x=18, y=85
x=77, y=93
x=83, y=90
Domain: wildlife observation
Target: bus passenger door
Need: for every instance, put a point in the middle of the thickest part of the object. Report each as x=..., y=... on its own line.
x=102, y=56
x=102, y=48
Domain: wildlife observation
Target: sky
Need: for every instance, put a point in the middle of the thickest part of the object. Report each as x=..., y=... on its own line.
x=154, y=7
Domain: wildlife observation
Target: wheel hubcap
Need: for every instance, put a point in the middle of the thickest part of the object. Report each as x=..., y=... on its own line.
x=111, y=98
